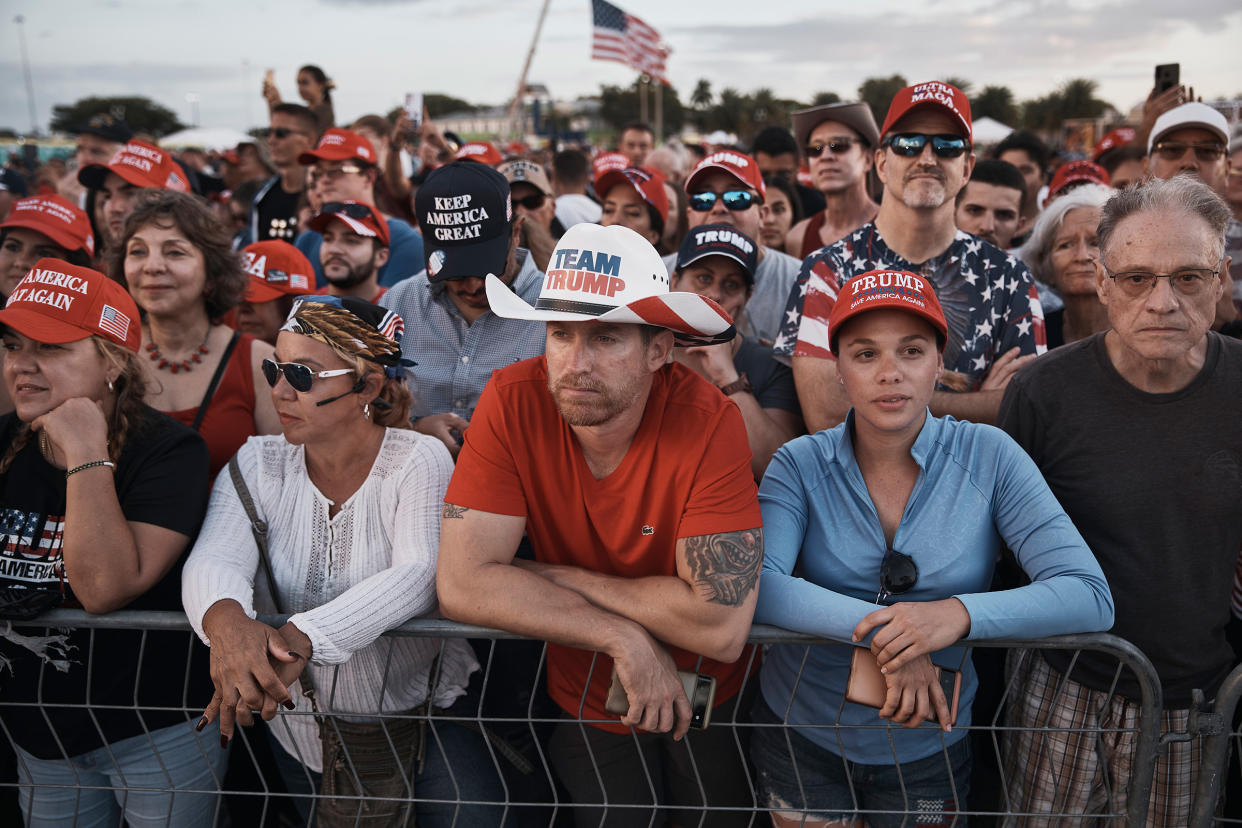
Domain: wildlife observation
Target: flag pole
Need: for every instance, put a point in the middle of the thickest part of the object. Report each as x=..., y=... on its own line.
x=514, y=129
x=642, y=97
x=659, y=112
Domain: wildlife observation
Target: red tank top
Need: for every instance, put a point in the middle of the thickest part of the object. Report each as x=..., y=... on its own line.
x=230, y=414
x=810, y=239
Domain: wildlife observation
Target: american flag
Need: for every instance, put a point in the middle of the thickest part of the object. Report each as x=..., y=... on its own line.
x=114, y=322
x=626, y=39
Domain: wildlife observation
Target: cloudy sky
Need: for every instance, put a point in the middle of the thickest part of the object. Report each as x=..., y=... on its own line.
x=376, y=50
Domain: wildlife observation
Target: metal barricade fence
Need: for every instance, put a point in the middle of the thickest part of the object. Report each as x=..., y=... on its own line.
x=504, y=729
x=1220, y=743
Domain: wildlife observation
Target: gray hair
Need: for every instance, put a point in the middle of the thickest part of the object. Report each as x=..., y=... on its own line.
x=1179, y=194
x=1037, y=252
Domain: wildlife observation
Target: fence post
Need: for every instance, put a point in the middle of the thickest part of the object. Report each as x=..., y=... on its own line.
x=1214, y=763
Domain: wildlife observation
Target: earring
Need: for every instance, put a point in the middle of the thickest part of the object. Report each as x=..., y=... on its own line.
x=110, y=386
x=366, y=411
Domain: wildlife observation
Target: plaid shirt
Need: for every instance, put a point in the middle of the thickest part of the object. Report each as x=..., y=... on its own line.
x=988, y=297
x=456, y=359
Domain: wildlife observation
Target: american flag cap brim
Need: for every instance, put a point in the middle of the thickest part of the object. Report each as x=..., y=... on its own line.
x=693, y=319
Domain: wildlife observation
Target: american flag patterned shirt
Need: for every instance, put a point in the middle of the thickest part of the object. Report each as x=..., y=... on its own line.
x=988, y=297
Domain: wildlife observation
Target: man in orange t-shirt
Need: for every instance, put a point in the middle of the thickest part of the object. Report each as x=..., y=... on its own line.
x=631, y=476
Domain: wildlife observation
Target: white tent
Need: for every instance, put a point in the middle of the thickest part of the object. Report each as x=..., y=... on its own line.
x=989, y=130
x=207, y=138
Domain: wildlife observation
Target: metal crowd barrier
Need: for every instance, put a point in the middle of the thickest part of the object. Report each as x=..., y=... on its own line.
x=520, y=759
x=1217, y=723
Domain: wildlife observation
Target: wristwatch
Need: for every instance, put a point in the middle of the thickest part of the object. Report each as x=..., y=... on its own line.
x=739, y=384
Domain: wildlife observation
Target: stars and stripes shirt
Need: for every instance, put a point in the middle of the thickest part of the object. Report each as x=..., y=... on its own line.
x=988, y=297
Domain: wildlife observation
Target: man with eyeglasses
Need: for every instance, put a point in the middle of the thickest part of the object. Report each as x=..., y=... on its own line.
x=534, y=200
x=274, y=211
x=1192, y=139
x=470, y=231
x=727, y=188
x=354, y=248
x=996, y=325
x=344, y=167
x=838, y=141
x=1138, y=432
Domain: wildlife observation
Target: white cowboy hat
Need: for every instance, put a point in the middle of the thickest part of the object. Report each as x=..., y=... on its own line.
x=612, y=274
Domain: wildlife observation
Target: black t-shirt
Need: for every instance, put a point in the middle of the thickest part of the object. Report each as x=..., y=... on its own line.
x=161, y=479
x=278, y=214
x=1154, y=484
x=773, y=382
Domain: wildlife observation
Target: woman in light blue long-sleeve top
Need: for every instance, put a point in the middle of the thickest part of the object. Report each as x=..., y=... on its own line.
x=928, y=502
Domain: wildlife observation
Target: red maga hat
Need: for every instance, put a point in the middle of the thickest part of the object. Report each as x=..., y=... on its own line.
x=737, y=164
x=56, y=218
x=142, y=165
x=57, y=302
x=1114, y=138
x=1077, y=172
x=879, y=289
x=484, y=152
x=276, y=269
x=359, y=217
x=935, y=94
x=340, y=145
x=647, y=182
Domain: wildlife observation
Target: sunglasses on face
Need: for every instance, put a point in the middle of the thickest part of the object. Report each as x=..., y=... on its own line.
x=910, y=144
x=282, y=132
x=898, y=574
x=353, y=211
x=733, y=200
x=299, y=377
x=333, y=174
x=1173, y=150
x=837, y=146
x=531, y=202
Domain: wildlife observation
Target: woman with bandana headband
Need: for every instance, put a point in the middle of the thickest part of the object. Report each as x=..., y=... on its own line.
x=351, y=496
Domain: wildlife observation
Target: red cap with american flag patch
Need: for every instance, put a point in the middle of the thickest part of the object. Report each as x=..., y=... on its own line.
x=58, y=302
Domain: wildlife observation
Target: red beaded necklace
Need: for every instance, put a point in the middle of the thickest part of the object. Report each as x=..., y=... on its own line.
x=164, y=362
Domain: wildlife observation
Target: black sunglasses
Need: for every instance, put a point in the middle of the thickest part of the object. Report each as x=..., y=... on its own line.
x=898, y=574
x=910, y=144
x=283, y=132
x=353, y=211
x=733, y=200
x=837, y=146
x=531, y=202
x=298, y=375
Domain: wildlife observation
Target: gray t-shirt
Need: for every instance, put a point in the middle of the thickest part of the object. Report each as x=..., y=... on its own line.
x=1154, y=484
x=773, y=382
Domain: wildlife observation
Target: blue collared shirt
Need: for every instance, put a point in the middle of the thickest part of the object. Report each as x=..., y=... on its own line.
x=975, y=489
x=456, y=359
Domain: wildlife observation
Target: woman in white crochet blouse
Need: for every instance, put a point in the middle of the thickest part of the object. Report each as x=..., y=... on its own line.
x=351, y=496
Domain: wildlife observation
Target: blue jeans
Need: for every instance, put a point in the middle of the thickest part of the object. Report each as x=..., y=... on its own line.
x=797, y=776
x=169, y=778
x=457, y=769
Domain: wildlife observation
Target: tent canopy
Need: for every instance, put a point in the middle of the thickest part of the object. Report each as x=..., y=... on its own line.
x=205, y=138
x=989, y=130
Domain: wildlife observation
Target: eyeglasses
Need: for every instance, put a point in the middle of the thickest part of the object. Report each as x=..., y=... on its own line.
x=1173, y=150
x=1188, y=281
x=837, y=146
x=531, y=202
x=733, y=199
x=282, y=132
x=333, y=174
x=910, y=144
x=342, y=208
x=298, y=376
x=898, y=574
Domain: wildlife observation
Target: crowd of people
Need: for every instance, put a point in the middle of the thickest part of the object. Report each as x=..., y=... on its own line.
x=874, y=383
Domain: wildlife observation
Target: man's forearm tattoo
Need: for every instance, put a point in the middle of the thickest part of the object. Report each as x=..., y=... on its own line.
x=725, y=567
x=454, y=512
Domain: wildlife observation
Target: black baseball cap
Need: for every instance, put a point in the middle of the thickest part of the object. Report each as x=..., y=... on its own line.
x=720, y=240
x=466, y=216
x=107, y=127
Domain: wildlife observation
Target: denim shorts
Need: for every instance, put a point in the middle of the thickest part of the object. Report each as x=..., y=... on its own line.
x=925, y=792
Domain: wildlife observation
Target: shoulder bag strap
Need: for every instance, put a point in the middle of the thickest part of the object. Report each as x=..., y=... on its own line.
x=215, y=382
x=258, y=528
